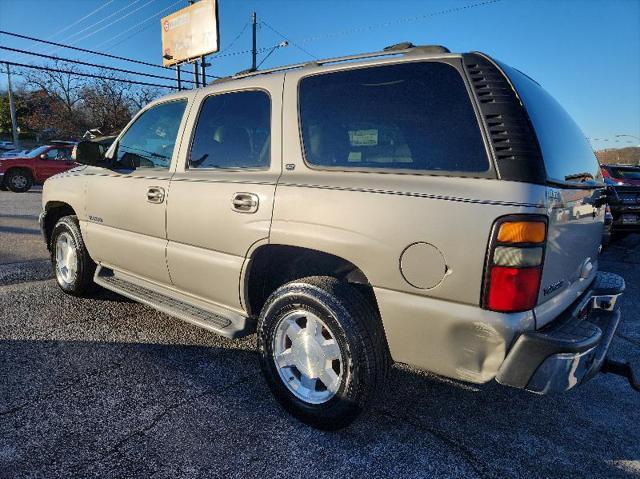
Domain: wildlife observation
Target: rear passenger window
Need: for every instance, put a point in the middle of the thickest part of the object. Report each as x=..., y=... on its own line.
x=411, y=116
x=233, y=131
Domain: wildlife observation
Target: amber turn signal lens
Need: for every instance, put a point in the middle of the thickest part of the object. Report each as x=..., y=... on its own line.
x=522, y=232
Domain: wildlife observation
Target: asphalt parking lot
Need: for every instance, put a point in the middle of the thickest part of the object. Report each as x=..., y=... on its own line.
x=105, y=387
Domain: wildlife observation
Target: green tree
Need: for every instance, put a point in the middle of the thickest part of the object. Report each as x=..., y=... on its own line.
x=5, y=113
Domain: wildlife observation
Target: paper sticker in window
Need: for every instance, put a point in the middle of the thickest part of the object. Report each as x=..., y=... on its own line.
x=363, y=137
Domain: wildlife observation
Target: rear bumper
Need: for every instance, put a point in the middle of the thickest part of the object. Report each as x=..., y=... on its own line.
x=620, y=227
x=572, y=349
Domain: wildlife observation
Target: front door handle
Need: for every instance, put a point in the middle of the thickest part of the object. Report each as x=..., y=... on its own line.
x=245, y=202
x=155, y=194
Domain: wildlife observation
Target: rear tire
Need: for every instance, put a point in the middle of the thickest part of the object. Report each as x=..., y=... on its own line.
x=72, y=265
x=322, y=351
x=19, y=181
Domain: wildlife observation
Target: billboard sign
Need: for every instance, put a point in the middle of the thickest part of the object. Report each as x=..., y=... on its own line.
x=190, y=33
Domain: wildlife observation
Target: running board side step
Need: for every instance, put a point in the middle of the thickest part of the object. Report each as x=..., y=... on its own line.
x=200, y=313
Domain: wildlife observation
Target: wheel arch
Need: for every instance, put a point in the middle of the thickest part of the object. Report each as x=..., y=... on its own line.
x=54, y=211
x=271, y=265
x=24, y=168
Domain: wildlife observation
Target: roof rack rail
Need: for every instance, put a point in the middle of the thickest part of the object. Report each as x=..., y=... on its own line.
x=398, y=46
x=397, y=49
x=416, y=48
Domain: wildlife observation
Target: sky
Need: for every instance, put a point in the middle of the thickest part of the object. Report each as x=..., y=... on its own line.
x=585, y=53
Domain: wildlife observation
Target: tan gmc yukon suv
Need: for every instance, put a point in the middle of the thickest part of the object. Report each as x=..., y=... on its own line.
x=412, y=205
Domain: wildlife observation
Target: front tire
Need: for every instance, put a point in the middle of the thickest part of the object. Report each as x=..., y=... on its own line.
x=19, y=181
x=72, y=265
x=322, y=351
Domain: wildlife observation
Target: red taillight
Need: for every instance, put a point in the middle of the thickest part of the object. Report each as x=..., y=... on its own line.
x=513, y=289
x=514, y=263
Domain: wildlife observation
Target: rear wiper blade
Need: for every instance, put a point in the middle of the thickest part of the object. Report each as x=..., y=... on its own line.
x=576, y=186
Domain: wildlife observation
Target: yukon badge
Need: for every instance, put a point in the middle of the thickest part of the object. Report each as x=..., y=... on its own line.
x=553, y=287
x=95, y=219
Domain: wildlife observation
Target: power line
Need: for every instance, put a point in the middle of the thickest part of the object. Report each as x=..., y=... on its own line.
x=89, y=75
x=78, y=21
x=93, y=12
x=77, y=40
x=104, y=54
x=244, y=28
x=93, y=52
x=135, y=26
x=259, y=50
x=359, y=29
x=395, y=22
x=79, y=62
x=102, y=20
x=283, y=44
x=375, y=26
x=288, y=40
x=237, y=36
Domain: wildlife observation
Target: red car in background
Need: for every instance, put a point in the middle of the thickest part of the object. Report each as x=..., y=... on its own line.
x=20, y=173
x=623, y=184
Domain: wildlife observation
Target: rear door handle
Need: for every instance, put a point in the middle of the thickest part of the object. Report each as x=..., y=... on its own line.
x=245, y=202
x=155, y=194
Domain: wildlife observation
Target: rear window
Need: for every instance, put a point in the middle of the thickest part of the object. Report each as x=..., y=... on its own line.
x=411, y=116
x=568, y=156
x=626, y=173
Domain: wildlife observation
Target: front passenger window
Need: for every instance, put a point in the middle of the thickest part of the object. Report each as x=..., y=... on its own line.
x=53, y=154
x=63, y=154
x=149, y=142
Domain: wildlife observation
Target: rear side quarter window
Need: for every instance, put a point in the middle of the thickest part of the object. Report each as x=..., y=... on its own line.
x=409, y=116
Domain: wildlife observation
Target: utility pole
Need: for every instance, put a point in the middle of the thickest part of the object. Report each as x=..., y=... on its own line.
x=196, y=78
x=253, y=50
x=203, y=66
x=12, y=109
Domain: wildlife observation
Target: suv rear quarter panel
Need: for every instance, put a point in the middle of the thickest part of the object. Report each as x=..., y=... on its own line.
x=370, y=218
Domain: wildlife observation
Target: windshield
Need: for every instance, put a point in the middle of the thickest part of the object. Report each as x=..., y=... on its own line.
x=568, y=156
x=37, y=151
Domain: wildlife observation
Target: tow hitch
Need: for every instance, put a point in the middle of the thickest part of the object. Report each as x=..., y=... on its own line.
x=624, y=370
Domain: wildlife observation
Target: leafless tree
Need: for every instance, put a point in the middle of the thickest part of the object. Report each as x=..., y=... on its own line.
x=107, y=103
x=56, y=97
x=60, y=87
x=66, y=105
x=142, y=95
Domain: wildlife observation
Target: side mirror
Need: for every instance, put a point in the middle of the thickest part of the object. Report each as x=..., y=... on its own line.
x=89, y=153
x=43, y=156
